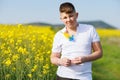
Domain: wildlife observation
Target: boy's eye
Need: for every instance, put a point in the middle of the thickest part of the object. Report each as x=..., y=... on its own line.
x=68, y=16
x=65, y=18
x=71, y=16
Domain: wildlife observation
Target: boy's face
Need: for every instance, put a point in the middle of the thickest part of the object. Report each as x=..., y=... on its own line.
x=69, y=19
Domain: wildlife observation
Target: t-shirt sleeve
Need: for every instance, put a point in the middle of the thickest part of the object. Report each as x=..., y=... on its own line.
x=56, y=47
x=95, y=36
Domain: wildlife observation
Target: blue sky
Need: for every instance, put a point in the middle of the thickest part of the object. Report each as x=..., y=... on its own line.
x=25, y=11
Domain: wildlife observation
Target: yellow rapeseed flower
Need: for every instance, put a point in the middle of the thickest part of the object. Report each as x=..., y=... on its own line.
x=15, y=57
x=45, y=69
x=22, y=50
x=13, y=69
x=7, y=62
x=7, y=76
x=19, y=25
x=34, y=68
x=29, y=75
x=11, y=41
x=27, y=61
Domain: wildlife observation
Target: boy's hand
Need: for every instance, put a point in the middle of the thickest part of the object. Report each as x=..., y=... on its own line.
x=78, y=60
x=65, y=62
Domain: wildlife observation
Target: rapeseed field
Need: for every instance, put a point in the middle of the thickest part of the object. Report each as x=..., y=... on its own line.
x=25, y=53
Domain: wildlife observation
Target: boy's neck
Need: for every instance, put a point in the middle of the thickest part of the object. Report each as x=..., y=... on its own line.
x=73, y=29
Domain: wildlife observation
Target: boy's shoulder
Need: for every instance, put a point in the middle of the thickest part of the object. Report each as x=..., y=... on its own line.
x=85, y=25
x=61, y=30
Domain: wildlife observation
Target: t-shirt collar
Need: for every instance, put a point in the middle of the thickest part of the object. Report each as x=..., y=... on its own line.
x=64, y=29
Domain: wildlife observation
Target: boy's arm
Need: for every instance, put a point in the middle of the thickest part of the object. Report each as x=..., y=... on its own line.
x=55, y=59
x=97, y=53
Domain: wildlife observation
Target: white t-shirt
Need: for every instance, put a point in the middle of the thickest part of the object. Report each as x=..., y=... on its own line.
x=81, y=46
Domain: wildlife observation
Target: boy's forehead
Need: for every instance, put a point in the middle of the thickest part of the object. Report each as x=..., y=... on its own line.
x=63, y=13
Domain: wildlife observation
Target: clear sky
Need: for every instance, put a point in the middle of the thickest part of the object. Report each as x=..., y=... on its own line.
x=26, y=11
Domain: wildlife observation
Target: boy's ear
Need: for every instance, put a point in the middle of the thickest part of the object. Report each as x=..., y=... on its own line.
x=77, y=14
x=60, y=18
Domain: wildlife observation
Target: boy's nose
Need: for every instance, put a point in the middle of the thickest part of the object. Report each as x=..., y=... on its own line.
x=68, y=19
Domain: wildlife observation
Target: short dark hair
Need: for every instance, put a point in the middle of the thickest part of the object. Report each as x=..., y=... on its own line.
x=67, y=7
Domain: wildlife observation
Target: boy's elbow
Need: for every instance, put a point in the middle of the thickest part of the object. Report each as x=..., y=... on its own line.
x=52, y=61
x=101, y=54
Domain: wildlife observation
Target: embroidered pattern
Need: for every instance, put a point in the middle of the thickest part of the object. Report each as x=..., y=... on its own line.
x=69, y=37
